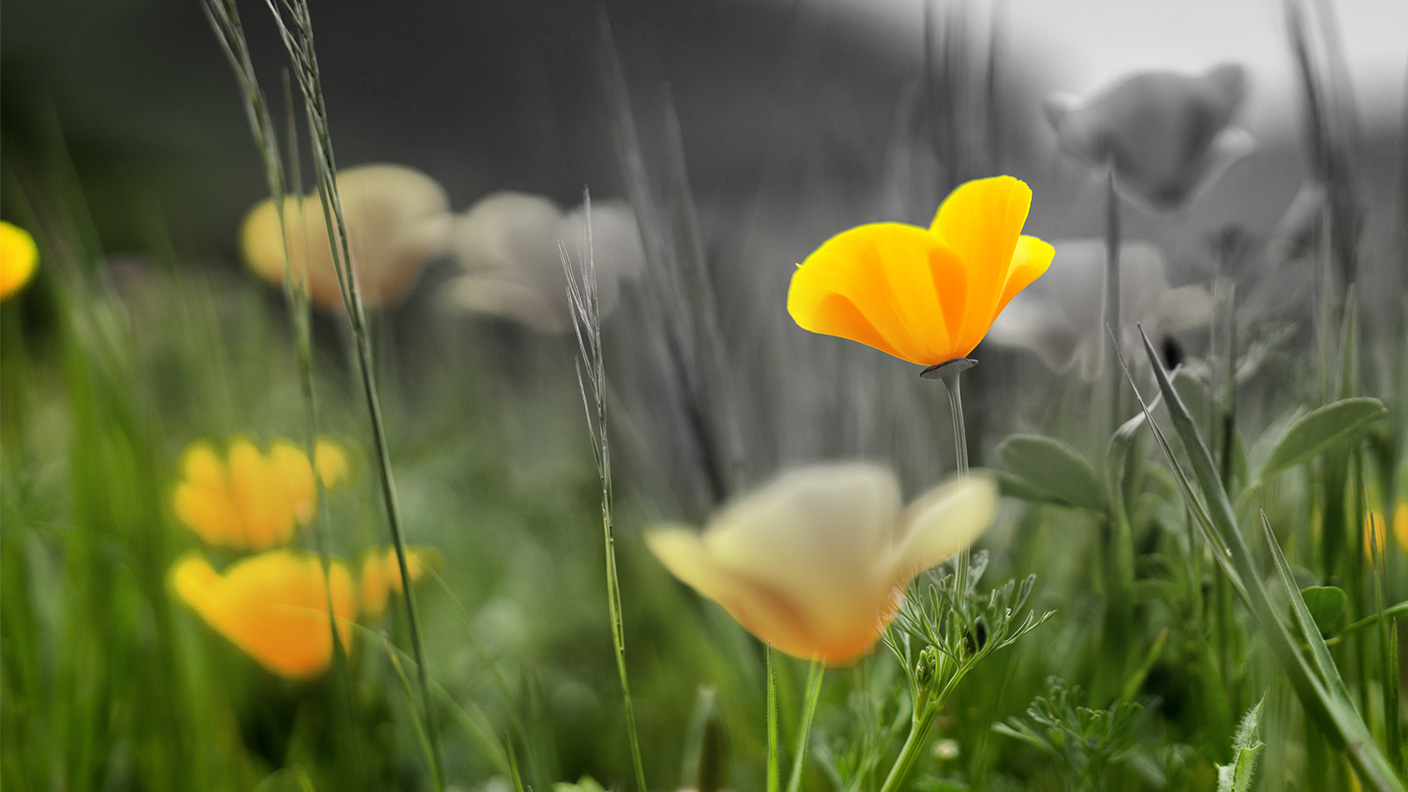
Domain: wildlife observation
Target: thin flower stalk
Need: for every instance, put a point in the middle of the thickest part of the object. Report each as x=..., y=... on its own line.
x=225, y=21
x=295, y=28
x=591, y=376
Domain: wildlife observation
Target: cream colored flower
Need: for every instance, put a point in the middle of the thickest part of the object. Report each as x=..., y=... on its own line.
x=816, y=562
x=397, y=218
x=1167, y=135
x=508, y=242
x=1060, y=317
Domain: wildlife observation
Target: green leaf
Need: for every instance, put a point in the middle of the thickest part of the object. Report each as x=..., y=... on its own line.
x=1052, y=469
x=1321, y=430
x=1237, y=777
x=1325, y=603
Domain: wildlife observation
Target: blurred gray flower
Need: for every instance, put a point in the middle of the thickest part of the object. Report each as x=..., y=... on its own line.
x=507, y=244
x=1059, y=316
x=1167, y=135
x=1295, y=234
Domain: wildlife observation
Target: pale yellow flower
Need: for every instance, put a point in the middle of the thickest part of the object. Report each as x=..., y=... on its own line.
x=816, y=562
x=397, y=220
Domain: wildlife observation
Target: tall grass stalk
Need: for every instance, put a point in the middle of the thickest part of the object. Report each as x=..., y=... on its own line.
x=296, y=29
x=224, y=19
x=799, y=762
x=774, y=769
x=591, y=380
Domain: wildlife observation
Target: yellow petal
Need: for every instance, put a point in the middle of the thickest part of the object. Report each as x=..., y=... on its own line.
x=942, y=522
x=381, y=576
x=1030, y=261
x=273, y=606
x=887, y=285
x=981, y=222
x=333, y=467
x=202, y=500
x=19, y=257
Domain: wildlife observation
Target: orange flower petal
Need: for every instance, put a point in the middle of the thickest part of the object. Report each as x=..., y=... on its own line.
x=273, y=606
x=381, y=576
x=1030, y=261
x=981, y=221
x=891, y=286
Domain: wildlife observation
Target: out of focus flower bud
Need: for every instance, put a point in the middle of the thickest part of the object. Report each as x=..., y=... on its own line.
x=1168, y=136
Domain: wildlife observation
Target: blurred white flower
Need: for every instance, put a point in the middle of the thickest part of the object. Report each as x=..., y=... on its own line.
x=1167, y=135
x=815, y=563
x=1297, y=230
x=507, y=243
x=1060, y=317
x=397, y=219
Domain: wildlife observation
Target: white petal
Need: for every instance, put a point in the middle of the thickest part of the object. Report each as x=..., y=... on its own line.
x=943, y=521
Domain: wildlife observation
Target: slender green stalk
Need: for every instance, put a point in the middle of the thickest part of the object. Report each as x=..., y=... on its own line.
x=224, y=18
x=960, y=443
x=774, y=763
x=585, y=306
x=298, y=40
x=818, y=671
x=925, y=713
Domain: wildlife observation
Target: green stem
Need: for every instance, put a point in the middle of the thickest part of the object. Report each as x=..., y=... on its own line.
x=960, y=443
x=301, y=50
x=914, y=744
x=774, y=783
x=818, y=671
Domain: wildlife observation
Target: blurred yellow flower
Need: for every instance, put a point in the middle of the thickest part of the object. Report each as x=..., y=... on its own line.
x=397, y=220
x=273, y=606
x=251, y=500
x=381, y=575
x=1167, y=135
x=924, y=295
x=19, y=257
x=816, y=562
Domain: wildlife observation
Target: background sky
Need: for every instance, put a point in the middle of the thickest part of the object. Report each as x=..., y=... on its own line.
x=1085, y=44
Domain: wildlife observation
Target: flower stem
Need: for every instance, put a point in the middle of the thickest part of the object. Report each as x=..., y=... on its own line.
x=774, y=783
x=918, y=736
x=960, y=447
x=794, y=782
x=1112, y=301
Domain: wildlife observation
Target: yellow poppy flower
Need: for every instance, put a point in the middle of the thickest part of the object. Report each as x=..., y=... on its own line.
x=397, y=220
x=251, y=500
x=816, y=562
x=381, y=575
x=273, y=606
x=924, y=295
x=19, y=257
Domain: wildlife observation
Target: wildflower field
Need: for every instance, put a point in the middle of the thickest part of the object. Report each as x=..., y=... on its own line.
x=1037, y=442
